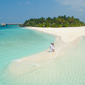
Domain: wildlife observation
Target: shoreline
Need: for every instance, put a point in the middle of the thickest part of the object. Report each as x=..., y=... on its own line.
x=63, y=32
x=66, y=40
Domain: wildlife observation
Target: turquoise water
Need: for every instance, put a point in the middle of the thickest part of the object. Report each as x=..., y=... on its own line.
x=65, y=70
x=68, y=69
x=16, y=42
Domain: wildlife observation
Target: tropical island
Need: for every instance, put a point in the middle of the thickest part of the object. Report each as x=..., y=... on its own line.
x=60, y=21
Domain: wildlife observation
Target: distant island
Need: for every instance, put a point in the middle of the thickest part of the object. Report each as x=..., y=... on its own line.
x=10, y=24
x=60, y=21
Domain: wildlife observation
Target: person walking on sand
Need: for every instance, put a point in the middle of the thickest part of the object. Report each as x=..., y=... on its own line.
x=53, y=47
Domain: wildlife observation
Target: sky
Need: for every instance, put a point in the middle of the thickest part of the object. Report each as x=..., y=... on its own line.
x=17, y=11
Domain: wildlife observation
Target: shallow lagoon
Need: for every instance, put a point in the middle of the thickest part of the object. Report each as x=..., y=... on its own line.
x=16, y=42
x=68, y=69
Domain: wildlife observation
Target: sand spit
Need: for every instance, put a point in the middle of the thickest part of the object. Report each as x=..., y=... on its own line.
x=67, y=39
x=67, y=34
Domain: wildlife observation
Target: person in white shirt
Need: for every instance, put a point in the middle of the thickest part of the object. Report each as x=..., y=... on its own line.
x=51, y=47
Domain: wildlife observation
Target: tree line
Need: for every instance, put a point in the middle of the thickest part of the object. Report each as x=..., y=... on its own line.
x=60, y=21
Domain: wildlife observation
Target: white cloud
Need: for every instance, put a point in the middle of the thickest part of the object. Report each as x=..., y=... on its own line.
x=22, y=3
x=9, y=18
x=27, y=2
x=74, y=4
x=16, y=17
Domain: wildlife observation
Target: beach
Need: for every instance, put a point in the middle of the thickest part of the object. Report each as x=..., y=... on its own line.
x=65, y=66
x=67, y=34
x=42, y=42
x=66, y=39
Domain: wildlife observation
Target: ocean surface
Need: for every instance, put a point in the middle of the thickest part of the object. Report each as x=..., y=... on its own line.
x=15, y=43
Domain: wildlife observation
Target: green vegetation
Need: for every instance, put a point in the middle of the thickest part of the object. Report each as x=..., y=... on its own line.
x=61, y=21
